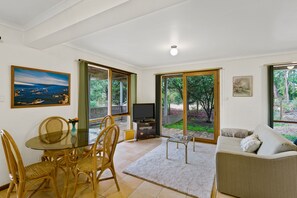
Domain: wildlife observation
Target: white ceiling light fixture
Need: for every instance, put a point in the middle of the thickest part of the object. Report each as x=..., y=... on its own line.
x=173, y=50
x=290, y=67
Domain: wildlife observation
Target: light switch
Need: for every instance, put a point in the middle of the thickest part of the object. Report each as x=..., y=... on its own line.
x=2, y=98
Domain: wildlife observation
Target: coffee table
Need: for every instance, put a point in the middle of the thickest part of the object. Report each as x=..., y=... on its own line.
x=183, y=139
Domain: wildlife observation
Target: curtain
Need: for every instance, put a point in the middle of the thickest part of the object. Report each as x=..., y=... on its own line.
x=133, y=96
x=83, y=96
x=158, y=103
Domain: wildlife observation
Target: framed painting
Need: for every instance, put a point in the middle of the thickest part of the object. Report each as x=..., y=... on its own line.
x=38, y=88
x=243, y=86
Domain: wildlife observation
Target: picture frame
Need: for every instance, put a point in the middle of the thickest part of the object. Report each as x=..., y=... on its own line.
x=31, y=87
x=242, y=86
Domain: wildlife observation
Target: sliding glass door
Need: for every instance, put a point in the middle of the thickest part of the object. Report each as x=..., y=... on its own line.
x=109, y=94
x=201, y=106
x=120, y=101
x=98, y=94
x=190, y=105
x=172, y=104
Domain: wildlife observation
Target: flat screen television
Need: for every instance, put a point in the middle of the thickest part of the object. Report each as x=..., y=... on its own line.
x=143, y=111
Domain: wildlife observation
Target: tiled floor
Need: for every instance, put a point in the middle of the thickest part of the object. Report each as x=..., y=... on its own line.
x=131, y=187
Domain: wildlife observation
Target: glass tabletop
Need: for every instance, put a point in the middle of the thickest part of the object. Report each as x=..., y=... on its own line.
x=180, y=138
x=63, y=140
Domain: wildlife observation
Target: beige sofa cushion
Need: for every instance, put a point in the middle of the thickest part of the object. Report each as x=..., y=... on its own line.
x=229, y=144
x=272, y=142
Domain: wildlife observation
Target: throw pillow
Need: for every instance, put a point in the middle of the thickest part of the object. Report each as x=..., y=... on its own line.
x=234, y=132
x=248, y=138
x=272, y=141
x=250, y=144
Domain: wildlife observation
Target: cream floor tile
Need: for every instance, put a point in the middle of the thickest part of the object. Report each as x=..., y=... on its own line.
x=133, y=182
x=127, y=185
x=166, y=193
x=147, y=189
x=139, y=194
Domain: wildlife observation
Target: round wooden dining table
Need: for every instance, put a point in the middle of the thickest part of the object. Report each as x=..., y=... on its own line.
x=65, y=141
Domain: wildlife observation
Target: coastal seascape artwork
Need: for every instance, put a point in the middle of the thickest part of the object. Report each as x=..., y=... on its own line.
x=38, y=88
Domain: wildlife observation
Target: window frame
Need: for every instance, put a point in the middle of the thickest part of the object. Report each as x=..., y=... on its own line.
x=271, y=69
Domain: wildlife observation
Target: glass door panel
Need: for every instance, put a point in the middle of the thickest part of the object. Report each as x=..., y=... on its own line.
x=98, y=95
x=200, y=106
x=172, y=105
x=119, y=93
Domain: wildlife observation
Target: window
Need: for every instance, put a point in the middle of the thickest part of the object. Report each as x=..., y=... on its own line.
x=283, y=100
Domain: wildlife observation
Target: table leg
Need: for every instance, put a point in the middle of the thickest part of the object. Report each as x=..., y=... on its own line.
x=66, y=178
x=176, y=145
x=167, y=149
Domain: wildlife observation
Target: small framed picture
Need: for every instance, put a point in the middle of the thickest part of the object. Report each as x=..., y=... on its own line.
x=242, y=86
x=38, y=88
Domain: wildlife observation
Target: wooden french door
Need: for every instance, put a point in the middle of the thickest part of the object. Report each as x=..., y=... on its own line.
x=190, y=105
x=201, y=105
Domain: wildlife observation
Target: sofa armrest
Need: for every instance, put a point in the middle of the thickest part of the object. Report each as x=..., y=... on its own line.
x=251, y=175
x=235, y=132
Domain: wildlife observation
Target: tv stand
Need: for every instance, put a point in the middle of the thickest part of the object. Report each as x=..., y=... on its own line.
x=145, y=121
x=145, y=129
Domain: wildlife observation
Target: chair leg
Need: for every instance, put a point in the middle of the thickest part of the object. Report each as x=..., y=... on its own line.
x=11, y=187
x=114, y=176
x=55, y=186
x=94, y=183
x=99, y=175
x=75, y=183
x=21, y=189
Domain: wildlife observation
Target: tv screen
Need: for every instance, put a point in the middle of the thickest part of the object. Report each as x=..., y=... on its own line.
x=143, y=111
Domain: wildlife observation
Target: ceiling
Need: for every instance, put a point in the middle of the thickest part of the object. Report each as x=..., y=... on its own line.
x=140, y=32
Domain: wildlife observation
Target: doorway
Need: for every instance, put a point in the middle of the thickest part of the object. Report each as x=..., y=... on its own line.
x=190, y=105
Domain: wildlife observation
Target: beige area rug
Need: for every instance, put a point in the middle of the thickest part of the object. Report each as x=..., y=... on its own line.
x=195, y=178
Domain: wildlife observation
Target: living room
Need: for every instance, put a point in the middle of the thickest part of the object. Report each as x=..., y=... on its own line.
x=237, y=38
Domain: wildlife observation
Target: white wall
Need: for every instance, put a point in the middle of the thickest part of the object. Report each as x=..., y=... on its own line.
x=242, y=112
x=23, y=123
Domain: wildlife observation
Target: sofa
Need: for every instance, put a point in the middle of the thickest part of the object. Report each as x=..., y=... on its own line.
x=269, y=172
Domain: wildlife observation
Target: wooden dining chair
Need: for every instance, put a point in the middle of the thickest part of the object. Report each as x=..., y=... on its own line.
x=23, y=178
x=92, y=164
x=52, y=130
x=105, y=122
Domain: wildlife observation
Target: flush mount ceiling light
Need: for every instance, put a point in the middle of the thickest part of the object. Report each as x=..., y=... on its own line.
x=290, y=66
x=173, y=50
